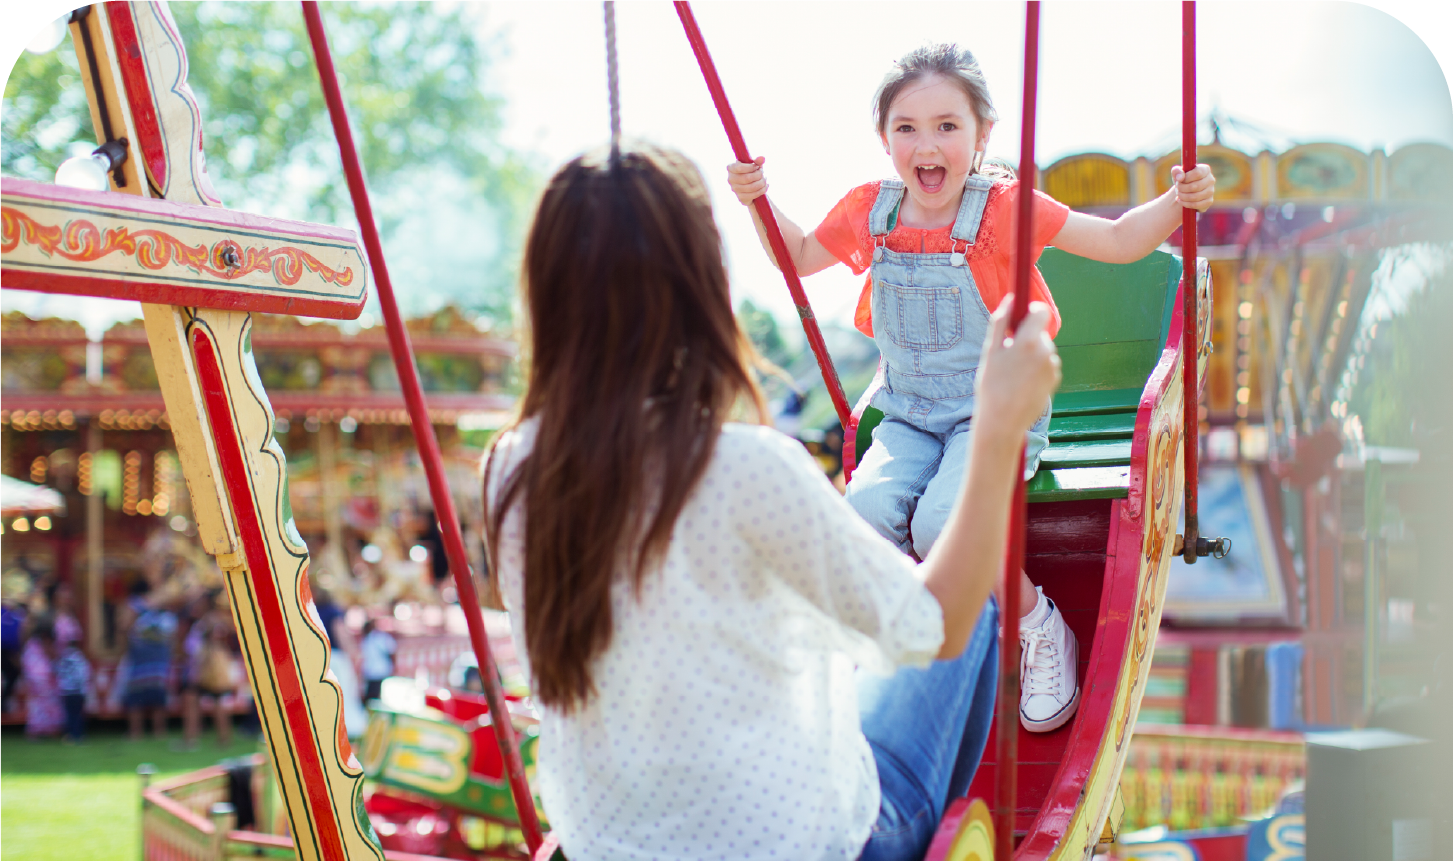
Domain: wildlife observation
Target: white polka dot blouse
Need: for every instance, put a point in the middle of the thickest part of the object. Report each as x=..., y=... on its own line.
x=726, y=721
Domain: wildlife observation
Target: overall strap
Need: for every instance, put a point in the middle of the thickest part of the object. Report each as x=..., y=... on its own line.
x=971, y=211
x=885, y=207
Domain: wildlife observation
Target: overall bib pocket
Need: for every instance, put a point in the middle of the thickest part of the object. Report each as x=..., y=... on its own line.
x=919, y=318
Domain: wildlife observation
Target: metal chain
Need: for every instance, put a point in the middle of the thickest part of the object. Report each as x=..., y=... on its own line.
x=613, y=79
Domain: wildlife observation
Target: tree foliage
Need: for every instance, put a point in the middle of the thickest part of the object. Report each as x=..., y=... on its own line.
x=1402, y=398
x=414, y=76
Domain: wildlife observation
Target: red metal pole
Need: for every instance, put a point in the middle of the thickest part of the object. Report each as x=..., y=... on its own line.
x=403, y=354
x=764, y=211
x=1190, y=346
x=1007, y=733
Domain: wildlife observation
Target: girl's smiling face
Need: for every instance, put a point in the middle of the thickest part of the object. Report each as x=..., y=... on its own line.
x=932, y=135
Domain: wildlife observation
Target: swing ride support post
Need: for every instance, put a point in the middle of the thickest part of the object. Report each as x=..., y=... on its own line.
x=764, y=211
x=1190, y=314
x=1007, y=734
x=403, y=355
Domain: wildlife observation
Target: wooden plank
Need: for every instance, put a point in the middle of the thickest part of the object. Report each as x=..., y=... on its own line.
x=1082, y=427
x=1092, y=401
x=120, y=246
x=1096, y=482
x=1092, y=452
x=1067, y=527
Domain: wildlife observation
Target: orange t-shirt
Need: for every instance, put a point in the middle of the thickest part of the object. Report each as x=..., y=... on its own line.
x=844, y=232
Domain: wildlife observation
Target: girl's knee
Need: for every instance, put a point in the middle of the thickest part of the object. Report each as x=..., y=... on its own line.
x=928, y=524
x=883, y=511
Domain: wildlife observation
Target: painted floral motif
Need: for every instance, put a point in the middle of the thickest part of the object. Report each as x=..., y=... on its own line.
x=81, y=241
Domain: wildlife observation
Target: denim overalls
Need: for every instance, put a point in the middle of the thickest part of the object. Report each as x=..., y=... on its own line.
x=930, y=323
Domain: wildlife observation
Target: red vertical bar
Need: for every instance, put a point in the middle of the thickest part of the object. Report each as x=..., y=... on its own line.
x=1190, y=347
x=1008, y=717
x=403, y=355
x=764, y=211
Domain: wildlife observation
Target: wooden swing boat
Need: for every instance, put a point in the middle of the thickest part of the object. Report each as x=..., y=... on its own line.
x=1102, y=516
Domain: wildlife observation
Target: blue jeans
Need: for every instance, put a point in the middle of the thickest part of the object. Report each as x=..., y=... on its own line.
x=927, y=728
x=909, y=479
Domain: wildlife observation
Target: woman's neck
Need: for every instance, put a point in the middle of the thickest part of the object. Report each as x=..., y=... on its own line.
x=915, y=215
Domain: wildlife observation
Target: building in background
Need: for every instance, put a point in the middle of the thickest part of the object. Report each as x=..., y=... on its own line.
x=86, y=418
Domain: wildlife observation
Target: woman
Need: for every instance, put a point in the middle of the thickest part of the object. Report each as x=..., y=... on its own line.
x=691, y=594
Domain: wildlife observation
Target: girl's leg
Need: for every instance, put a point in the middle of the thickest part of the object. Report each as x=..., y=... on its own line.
x=927, y=730
x=938, y=501
x=222, y=717
x=892, y=476
x=1049, y=695
x=133, y=723
x=191, y=716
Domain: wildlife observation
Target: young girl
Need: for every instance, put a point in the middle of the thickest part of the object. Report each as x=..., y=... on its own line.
x=939, y=241
x=689, y=595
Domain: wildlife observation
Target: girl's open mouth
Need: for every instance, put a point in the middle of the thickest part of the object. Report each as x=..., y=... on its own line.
x=931, y=178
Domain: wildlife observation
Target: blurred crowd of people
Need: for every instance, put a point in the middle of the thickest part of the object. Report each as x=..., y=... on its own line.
x=179, y=647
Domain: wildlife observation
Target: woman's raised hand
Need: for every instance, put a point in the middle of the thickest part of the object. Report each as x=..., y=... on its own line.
x=1017, y=374
x=1195, y=190
x=747, y=180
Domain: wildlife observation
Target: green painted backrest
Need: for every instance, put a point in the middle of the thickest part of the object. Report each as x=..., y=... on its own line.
x=1115, y=319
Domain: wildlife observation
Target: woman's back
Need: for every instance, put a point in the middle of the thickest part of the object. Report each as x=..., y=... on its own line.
x=727, y=679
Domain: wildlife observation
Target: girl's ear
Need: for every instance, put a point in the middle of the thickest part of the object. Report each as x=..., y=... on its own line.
x=982, y=144
x=883, y=136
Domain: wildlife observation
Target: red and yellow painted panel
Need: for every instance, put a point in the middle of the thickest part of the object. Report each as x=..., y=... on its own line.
x=121, y=246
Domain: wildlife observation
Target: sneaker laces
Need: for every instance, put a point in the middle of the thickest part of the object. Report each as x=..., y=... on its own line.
x=1039, y=668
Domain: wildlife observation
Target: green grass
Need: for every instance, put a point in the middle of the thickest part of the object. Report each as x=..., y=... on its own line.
x=82, y=802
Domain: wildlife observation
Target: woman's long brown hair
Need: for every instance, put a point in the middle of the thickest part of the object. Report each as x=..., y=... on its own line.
x=635, y=360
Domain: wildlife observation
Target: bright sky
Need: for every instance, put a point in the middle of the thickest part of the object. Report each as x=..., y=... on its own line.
x=800, y=76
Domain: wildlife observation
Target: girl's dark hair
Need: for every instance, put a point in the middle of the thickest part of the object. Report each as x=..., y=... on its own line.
x=634, y=361
x=958, y=66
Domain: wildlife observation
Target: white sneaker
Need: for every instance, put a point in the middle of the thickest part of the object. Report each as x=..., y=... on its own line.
x=1049, y=692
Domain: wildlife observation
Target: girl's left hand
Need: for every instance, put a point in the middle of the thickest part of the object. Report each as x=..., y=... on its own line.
x=1195, y=190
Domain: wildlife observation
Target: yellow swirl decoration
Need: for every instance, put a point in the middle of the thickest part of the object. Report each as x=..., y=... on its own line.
x=81, y=241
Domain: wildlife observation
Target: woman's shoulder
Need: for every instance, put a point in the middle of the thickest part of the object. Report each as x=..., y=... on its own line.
x=763, y=450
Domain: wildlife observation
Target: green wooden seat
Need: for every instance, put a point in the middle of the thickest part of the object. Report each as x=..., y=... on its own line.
x=1116, y=318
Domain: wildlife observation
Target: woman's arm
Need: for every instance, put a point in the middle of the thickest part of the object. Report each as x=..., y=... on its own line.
x=748, y=182
x=1015, y=379
x=1142, y=229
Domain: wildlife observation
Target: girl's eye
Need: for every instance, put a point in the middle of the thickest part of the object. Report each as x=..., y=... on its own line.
x=904, y=128
x=947, y=127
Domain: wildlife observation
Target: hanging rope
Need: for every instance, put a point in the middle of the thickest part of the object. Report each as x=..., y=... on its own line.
x=613, y=79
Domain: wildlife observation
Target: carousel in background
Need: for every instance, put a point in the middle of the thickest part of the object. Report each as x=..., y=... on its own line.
x=1310, y=623
x=94, y=496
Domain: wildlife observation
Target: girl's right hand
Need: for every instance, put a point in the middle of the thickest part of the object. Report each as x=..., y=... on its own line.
x=747, y=180
x=1016, y=375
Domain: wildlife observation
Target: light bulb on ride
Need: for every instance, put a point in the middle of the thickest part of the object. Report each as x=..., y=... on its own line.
x=90, y=171
x=49, y=37
x=85, y=171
